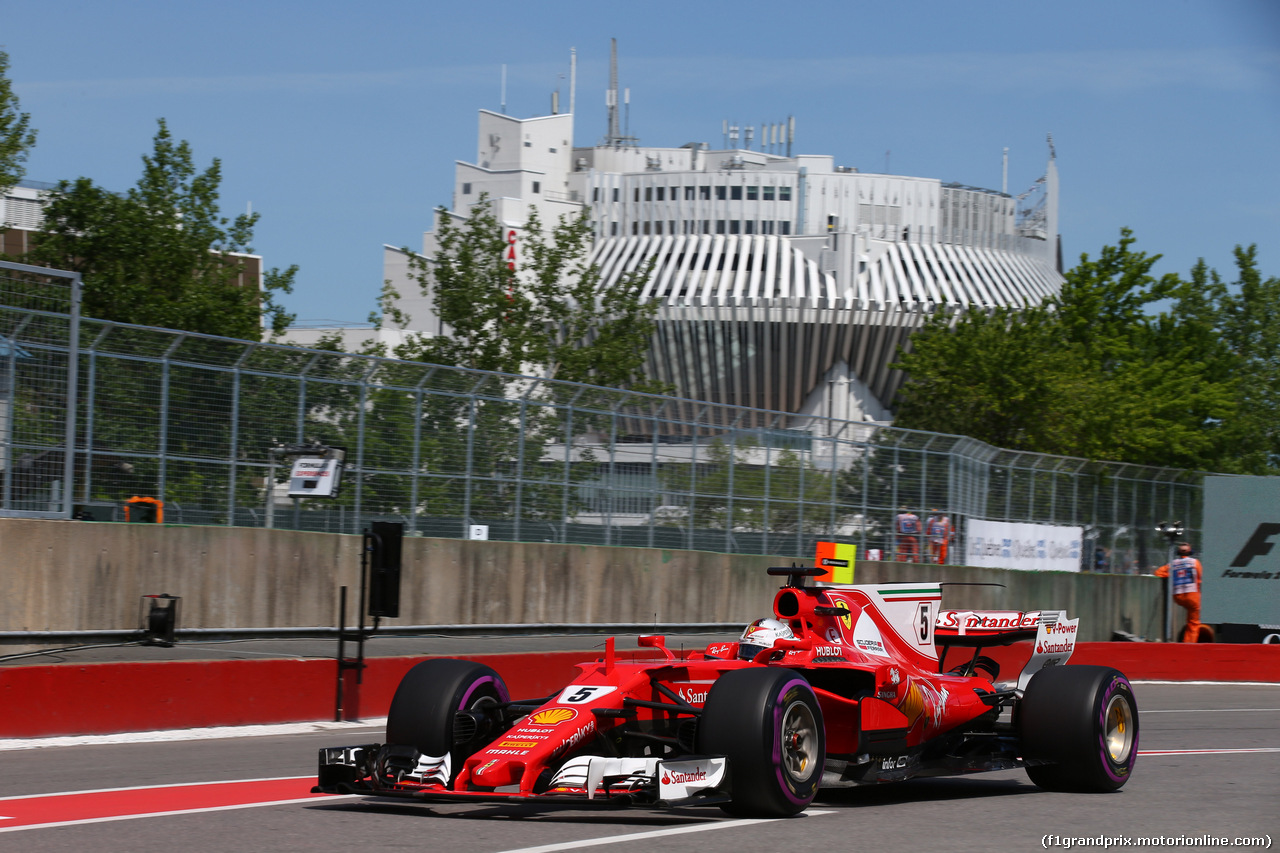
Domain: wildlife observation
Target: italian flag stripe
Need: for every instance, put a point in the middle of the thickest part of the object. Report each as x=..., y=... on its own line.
x=928, y=592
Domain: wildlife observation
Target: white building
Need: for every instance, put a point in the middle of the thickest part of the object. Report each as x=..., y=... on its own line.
x=787, y=282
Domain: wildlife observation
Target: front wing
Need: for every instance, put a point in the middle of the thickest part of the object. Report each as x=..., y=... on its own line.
x=586, y=780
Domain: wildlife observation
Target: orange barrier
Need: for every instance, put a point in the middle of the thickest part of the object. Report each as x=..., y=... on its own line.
x=104, y=698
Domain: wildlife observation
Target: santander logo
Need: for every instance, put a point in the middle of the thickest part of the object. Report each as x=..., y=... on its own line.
x=696, y=775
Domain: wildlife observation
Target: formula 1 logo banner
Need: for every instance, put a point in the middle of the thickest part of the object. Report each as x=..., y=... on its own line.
x=1009, y=545
x=1241, y=550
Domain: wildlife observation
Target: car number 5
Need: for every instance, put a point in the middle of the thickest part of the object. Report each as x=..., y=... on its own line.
x=581, y=694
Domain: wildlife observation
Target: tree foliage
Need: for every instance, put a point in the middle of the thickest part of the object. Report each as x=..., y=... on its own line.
x=1122, y=365
x=552, y=316
x=162, y=254
x=16, y=135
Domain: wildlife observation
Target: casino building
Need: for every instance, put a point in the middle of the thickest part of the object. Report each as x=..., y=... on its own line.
x=787, y=282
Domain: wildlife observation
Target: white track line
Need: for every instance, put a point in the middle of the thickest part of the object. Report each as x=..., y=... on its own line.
x=1208, y=711
x=1253, y=750
x=657, y=833
x=212, y=733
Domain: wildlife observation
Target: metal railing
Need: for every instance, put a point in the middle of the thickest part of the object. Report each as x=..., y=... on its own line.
x=192, y=420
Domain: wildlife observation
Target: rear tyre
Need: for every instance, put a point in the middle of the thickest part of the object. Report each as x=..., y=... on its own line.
x=1083, y=721
x=430, y=695
x=767, y=722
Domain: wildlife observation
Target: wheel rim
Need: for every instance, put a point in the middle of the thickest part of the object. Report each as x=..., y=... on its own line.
x=1119, y=729
x=799, y=741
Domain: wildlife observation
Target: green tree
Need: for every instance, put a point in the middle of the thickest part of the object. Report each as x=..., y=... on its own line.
x=1006, y=377
x=1098, y=372
x=162, y=254
x=16, y=135
x=552, y=316
x=1252, y=333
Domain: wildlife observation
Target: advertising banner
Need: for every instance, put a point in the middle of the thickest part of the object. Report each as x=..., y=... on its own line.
x=1013, y=545
x=1241, y=553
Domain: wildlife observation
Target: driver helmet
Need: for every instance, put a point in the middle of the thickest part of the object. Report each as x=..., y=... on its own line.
x=760, y=635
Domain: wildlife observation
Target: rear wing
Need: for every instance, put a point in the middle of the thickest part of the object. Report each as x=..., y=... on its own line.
x=1054, y=634
x=986, y=627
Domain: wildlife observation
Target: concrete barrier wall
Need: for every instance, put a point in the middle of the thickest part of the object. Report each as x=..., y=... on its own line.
x=83, y=576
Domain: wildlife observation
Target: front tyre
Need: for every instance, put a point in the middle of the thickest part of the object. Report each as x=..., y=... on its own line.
x=424, y=710
x=1082, y=721
x=767, y=722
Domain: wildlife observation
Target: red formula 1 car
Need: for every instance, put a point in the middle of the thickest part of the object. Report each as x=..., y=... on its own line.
x=842, y=687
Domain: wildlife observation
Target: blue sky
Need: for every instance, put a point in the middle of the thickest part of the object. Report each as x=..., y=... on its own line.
x=340, y=122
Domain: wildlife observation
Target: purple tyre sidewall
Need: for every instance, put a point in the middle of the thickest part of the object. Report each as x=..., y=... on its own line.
x=1117, y=772
x=496, y=685
x=779, y=709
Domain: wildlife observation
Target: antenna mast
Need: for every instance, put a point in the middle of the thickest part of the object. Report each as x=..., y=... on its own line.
x=616, y=137
x=615, y=132
x=573, y=76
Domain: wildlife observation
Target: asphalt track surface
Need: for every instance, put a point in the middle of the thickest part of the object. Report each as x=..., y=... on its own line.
x=1209, y=766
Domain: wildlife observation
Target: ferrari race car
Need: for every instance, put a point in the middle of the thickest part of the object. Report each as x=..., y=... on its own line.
x=843, y=686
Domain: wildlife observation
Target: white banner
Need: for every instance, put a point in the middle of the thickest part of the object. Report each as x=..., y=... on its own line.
x=1036, y=547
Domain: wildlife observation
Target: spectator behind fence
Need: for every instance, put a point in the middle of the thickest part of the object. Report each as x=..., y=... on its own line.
x=907, y=525
x=1185, y=573
x=937, y=527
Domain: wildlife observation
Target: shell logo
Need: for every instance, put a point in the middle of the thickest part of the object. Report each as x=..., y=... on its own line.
x=552, y=717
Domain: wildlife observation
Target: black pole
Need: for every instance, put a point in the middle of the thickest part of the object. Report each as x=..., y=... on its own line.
x=342, y=629
x=367, y=544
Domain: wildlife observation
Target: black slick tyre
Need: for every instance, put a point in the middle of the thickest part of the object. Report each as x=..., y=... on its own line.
x=1078, y=727
x=430, y=695
x=767, y=722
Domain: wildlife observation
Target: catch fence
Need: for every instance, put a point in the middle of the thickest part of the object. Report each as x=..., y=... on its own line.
x=197, y=421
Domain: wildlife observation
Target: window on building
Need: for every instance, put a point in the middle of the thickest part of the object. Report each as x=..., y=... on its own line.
x=753, y=193
x=537, y=186
x=648, y=193
x=466, y=189
x=635, y=227
x=784, y=193
x=720, y=193
x=672, y=224
x=637, y=194
x=749, y=227
x=616, y=191
x=766, y=226
x=552, y=150
x=704, y=193
x=662, y=191
x=768, y=193
x=784, y=227
x=735, y=226
x=719, y=226
x=646, y=227
x=735, y=193
x=706, y=226
x=657, y=227
x=688, y=193
x=613, y=229
x=528, y=145
x=595, y=193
